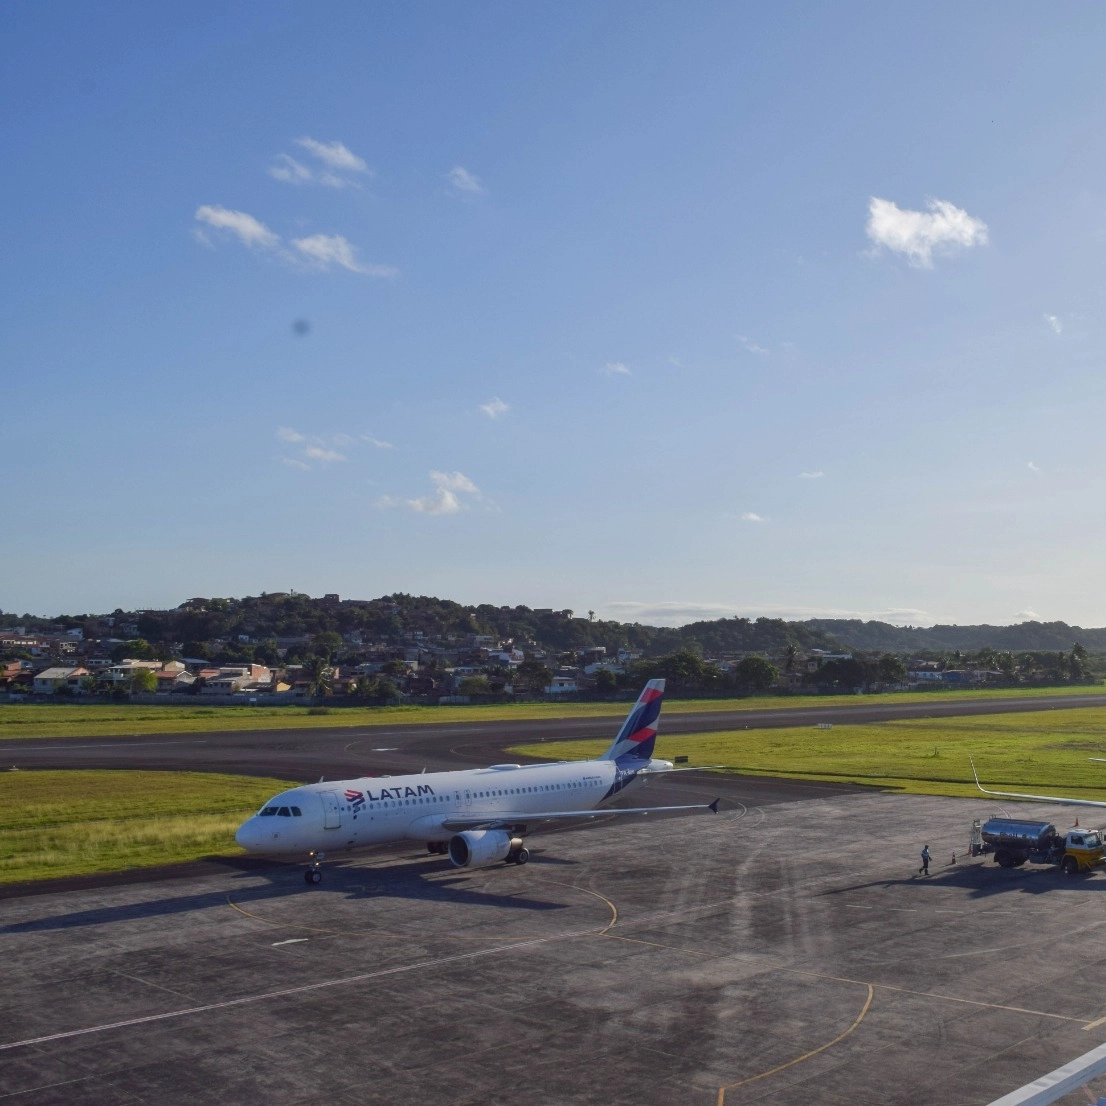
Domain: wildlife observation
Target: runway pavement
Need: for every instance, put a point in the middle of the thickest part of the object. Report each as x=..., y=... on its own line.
x=779, y=954
x=349, y=751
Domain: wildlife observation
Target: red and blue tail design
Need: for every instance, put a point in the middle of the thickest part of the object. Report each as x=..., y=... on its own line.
x=639, y=732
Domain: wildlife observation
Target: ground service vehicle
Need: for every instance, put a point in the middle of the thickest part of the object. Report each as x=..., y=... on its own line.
x=1013, y=842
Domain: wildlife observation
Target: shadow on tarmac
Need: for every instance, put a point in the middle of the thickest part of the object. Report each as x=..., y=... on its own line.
x=987, y=880
x=430, y=880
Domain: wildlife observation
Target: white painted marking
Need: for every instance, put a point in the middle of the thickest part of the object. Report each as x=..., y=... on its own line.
x=291, y=941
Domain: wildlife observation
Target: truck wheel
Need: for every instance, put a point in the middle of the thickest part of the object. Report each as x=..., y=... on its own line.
x=1003, y=859
x=1070, y=865
x=1019, y=861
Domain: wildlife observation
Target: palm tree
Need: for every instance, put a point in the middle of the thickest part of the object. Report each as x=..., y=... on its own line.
x=318, y=673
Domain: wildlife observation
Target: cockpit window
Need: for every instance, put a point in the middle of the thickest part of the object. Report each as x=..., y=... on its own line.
x=284, y=812
x=296, y=812
x=268, y=811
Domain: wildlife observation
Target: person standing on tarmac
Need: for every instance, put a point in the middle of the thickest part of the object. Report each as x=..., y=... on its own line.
x=924, y=869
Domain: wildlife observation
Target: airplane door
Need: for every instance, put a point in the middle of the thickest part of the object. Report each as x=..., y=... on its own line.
x=332, y=810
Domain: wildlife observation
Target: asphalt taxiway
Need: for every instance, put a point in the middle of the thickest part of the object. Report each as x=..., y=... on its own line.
x=784, y=954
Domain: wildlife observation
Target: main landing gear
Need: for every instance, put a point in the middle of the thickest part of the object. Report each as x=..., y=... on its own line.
x=519, y=853
x=313, y=874
x=437, y=848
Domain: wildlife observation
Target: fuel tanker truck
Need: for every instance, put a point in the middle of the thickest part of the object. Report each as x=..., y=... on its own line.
x=1013, y=842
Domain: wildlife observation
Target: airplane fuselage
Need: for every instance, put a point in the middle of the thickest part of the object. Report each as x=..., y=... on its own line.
x=351, y=814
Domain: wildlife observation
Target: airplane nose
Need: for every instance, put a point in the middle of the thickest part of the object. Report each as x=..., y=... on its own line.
x=248, y=835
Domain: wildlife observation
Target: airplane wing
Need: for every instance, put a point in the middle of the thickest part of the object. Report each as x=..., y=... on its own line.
x=1034, y=798
x=504, y=819
x=687, y=768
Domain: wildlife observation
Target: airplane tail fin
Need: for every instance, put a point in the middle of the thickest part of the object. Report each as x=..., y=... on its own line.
x=639, y=732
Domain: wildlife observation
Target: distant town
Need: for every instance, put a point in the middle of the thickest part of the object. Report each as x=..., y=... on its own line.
x=287, y=647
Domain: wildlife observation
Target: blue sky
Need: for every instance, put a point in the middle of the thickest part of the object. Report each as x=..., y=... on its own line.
x=664, y=311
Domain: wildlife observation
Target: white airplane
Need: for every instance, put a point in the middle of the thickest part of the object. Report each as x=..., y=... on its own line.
x=476, y=816
x=1036, y=798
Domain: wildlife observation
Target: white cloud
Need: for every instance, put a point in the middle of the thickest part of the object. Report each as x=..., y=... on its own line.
x=1056, y=323
x=320, y=251
x=446, y=499
x=751, y=346
x=376, y=442
x=334, y=155
x=248, y=230
x=812, y=475
x=677, y=362
x=1033, y=467
x=292, y=463
x=464, y=181
x=615, y=368
x=495, y=407
x=287, y=434
x=1028, y=616
x=327, y=456
x=752, y=516
x=291, y=171
x=918, y=235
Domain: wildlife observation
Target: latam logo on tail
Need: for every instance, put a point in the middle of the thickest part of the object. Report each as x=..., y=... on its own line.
x=476, y=816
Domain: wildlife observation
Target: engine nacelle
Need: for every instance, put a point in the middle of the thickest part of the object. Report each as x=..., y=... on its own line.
x=478, y=848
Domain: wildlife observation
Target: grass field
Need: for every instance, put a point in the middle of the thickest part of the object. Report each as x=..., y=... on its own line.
x=24, y=720
x=1043, y=752
x=64, y=823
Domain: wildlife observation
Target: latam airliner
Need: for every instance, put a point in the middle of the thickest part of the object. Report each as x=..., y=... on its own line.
x=475, y=816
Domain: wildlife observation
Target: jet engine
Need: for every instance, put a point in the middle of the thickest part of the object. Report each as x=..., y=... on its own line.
x=479, y=848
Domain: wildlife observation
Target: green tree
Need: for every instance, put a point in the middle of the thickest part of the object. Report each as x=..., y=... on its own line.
x=606, y=681
x=533, y=676
x=138, y=649
x=143, y=679
x=890, y=669
x=755, y=674
x=318, y=674
x=474, y=685
x=327, y=645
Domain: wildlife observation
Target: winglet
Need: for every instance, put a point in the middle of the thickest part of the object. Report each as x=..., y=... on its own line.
x=714, y=806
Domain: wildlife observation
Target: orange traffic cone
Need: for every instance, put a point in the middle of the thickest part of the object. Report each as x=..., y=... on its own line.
x=1077, y=821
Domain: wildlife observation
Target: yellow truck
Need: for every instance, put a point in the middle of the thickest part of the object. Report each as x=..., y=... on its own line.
x=1012, y=842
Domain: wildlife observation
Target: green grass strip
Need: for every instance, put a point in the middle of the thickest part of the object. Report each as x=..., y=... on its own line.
x=28, y=720
x=68, y=823
x=1044, y=752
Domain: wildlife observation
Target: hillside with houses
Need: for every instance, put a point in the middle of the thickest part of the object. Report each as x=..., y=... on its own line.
x=288, y=647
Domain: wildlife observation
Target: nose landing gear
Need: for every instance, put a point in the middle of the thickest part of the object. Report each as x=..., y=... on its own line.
x=313, y=874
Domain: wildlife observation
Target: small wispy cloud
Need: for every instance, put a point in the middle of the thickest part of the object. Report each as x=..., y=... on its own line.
x=817, y=475
x=317, y=251
x=1028, y=616
x=615, y=368
x=340, y=166
x=1033, y=467
x=918, y=235
x=677, y=363
x=446, y=499
x=752, y=516
x=751, y=346
x=1056, y=323
x=464, y=181
x=315, y=451
x=321, y=251
x=495, y=407
x=249, y=231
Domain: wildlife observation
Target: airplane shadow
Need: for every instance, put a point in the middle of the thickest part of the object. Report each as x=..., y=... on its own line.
x=429, y=879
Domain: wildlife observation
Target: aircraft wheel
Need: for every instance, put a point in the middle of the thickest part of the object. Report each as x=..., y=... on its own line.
x=307, y=876
x=523, y=856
